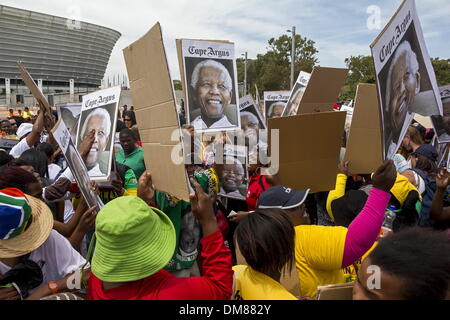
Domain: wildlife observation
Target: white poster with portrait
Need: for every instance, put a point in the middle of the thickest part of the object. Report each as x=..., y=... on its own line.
x=70, y=114
x=77, y=167
x=251, y=118
x=210, y=78
x=441, y=123
x=275, y=103
x=99, y=112
x=297, y=94
x=406, y=81
x=231, y=168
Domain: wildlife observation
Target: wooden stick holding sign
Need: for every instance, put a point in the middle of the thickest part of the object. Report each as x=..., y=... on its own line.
x=38, y=95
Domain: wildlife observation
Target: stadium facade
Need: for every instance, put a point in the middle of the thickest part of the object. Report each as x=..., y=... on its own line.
x=53, y=49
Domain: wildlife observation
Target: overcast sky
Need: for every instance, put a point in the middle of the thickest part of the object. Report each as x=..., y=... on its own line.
x=339, y=28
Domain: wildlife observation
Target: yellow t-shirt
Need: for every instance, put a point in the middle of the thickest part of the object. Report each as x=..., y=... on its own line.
x=319, y=252
x=249, y=284
x=350, y=272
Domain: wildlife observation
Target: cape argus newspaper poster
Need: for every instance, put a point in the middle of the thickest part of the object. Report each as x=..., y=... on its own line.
x=251, y=118
x=70, y=114
x=232, y=171
x=441, y=124
x=297, y=94
x=406, y=82
x=275, y=103
x=76, y=164
x=211, y=85
x=99, y=112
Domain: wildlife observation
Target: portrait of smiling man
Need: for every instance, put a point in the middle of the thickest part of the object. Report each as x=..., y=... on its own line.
x=212, y=88
x=403, y=84
x=99, y=120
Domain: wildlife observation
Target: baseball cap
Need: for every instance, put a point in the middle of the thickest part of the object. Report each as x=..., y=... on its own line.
x=428, y=151
x=280, y=197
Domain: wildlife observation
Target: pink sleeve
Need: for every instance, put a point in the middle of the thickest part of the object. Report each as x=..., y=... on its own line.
x=364, y=230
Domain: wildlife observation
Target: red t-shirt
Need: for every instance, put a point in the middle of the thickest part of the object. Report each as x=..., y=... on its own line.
x=257, y=185
x=215, y=284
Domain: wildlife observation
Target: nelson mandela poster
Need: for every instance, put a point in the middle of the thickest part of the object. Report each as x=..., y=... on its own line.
x=210, y=82
x=406, y=81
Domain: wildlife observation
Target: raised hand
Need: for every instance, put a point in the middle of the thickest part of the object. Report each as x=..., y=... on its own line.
x=146, y=190
x=201, y=204
x=443, y=180
x=385, y=176
x=86, y=144
x=343, y=167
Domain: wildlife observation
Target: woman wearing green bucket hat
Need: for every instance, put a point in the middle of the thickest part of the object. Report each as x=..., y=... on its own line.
x=135, y=242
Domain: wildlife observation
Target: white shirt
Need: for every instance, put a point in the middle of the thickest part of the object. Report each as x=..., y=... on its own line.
x=56, y=257
x=19, y=148
x=95, y=171
x=199, y=124
x=53, y=171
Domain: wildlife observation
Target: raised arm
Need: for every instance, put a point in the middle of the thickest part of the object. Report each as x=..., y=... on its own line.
x=35, y=134
x=364, y=230
x=339, y=190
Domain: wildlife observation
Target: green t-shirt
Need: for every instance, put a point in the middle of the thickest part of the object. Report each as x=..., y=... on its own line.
x=187, y=228
x=134, y=160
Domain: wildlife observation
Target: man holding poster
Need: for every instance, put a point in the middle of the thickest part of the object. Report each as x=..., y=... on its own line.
x=210, y=79
x=297, y=94
x=405, y=76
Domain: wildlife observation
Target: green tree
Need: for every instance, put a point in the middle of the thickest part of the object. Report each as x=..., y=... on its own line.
x=442, y=70
x=271, y=71
x=362, y=70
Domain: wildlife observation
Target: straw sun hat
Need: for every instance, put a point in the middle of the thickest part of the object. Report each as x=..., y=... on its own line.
x=25, y=223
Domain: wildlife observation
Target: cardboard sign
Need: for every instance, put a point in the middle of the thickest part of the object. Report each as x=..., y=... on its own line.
x=76, y=164
x=210, y=84
x=297, y=94
x=251, y=118
x=99, y=112
x=364, y=150
x=406, y=81
x=275, y=103
x=341, y=291
x=441, y=123
x=309, y=148
x=154, y=103
x=322, y=90
x=424, y=121
x=35, y=91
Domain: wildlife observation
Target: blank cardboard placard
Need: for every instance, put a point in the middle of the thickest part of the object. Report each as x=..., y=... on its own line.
x=424, y=121
x=323, y=89
x=364, y=145
x=341, y=291
x=309, y=148
x=156, y=116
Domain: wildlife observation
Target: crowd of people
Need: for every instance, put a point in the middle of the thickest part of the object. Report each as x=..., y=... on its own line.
x=147, y=244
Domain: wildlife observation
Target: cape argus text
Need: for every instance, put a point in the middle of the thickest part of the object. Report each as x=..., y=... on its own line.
x=210, y=52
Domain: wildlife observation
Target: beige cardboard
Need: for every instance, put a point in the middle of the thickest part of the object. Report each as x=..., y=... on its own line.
x=154, y=103
x=35, y=91
x=364, y=144
x=342, y=291
x=323, y=89
x=424, y=121
x=309, y=148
